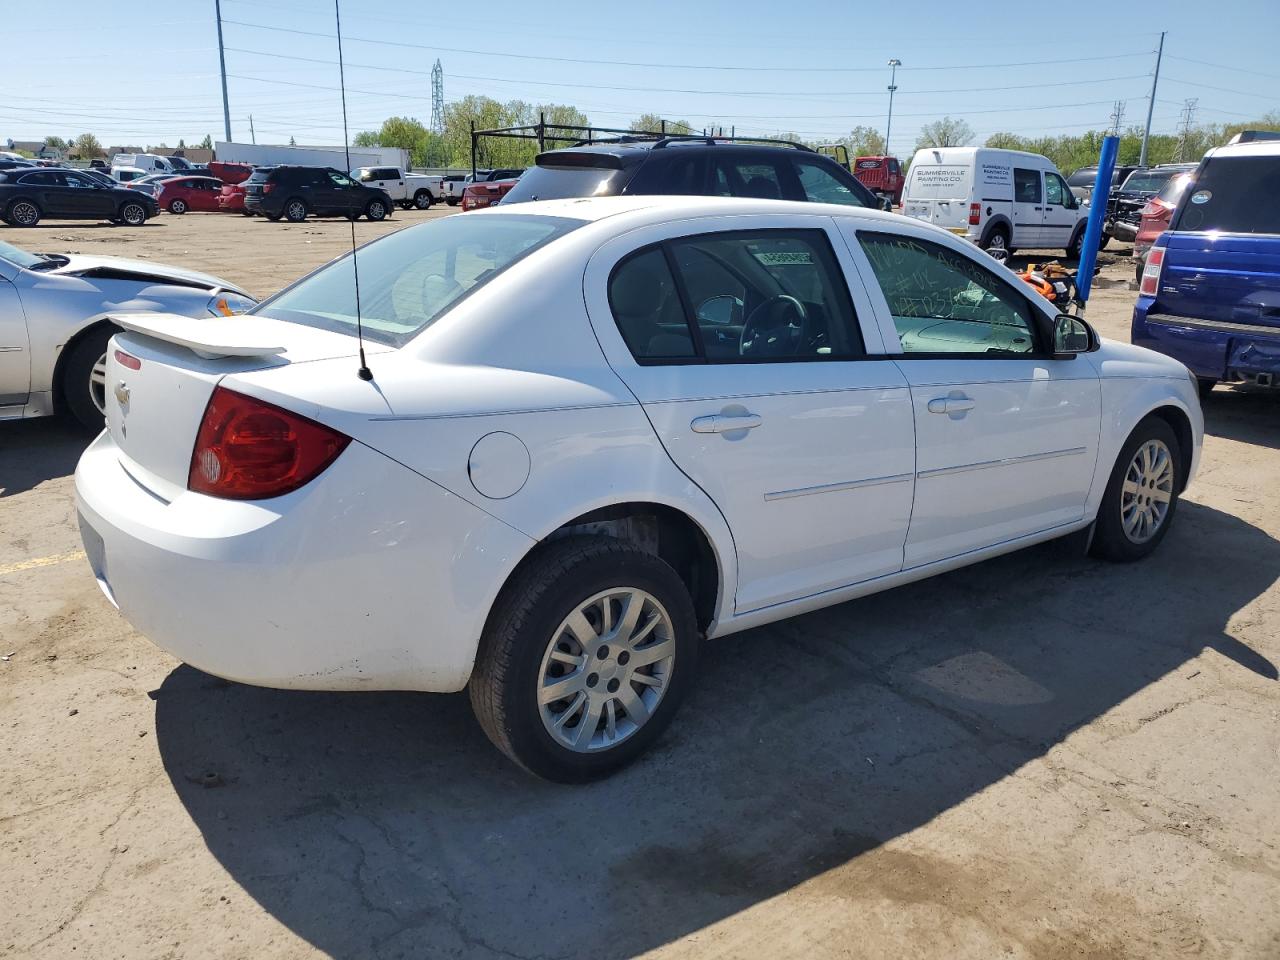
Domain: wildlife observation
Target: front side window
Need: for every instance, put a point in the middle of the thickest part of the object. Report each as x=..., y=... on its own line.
x=820, y=185
x=740, y=297
x=340, y=179
x=945, y=303
x=411, y=278
x=82, y=183
x=1055, y=190
x=1026, y=185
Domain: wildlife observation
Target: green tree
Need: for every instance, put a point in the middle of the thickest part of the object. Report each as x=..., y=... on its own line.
x=182, y=144
x=57, y=143
x=947, y=132
x=653, y=122
x=206, y=143
x=293, y=142
x=863, y=142
x=87, y=147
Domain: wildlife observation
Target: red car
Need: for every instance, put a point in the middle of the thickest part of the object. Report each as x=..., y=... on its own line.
x=231, y=172
x=1156, y=216
x=180, y=194
x=486, y=193
x=231, y=199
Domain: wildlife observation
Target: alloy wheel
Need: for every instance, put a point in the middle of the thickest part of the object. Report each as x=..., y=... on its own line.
x=606, y=669
x=1147, y=491
x=98, y=384
x=297, y=211
x=24, y=214
x=133, y=214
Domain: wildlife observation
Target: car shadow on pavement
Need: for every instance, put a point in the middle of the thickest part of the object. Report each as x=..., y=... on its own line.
x=384, y=825
x=33, y=451
x=1247, y=414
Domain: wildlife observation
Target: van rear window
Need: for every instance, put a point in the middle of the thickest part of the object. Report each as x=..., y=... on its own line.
x=1233, y=195
x=938, y=182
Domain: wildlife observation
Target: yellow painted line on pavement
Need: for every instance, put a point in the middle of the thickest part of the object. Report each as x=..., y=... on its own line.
x=41, y=562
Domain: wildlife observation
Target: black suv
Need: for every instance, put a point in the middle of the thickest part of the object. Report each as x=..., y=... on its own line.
x=298, y=192
x=29, y=193
x=694, y=166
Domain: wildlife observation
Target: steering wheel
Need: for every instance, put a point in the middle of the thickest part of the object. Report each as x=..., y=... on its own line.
x=768, y=330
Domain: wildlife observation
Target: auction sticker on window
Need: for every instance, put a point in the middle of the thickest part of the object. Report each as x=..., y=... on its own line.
x=781, y=259
x=1202, y=196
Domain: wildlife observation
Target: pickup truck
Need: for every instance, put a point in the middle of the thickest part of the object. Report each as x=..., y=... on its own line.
x=880, y=174
x=407, y=189
x=454, y=188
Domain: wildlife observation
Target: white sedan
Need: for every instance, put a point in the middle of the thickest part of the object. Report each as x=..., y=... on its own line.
x=596, y=433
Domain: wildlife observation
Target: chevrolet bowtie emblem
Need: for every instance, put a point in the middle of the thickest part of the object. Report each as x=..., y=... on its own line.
x=122, y=394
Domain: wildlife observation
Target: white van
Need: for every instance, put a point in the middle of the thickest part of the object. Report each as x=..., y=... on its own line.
x=151, y=162
x=1002, y=200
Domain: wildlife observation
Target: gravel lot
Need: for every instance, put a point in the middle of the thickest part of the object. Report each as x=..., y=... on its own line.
x=1039, y=757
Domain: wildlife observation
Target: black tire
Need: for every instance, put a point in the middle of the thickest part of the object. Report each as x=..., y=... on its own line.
x=1103, y=240
x=453, y=201
x=1140, y=264
x=1110, y=541
x=178, y=206
x=376, y=210
x=503, y=687
x=295, y=210
x=1076, y=246
x=273, y=217
x=132, y=213
x=246, y=213
x=77, y=372
x=1205, y=385
x=22, y=213
x=422, y=200
x=997, y=238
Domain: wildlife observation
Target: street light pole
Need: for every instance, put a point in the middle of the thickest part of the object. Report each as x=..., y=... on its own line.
x=894, y=64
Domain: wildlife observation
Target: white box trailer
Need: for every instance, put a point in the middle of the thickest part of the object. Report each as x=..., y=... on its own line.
x=269, y=155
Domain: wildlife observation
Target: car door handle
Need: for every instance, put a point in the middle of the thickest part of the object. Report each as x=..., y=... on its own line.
x=951, y=404
x=720, y=423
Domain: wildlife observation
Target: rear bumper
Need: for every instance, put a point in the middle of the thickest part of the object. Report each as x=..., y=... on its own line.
x=369, y=578
x=1211, y=349
x=1124, y=231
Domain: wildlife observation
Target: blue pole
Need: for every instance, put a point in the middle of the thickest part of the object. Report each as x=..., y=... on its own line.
x=1097, y=215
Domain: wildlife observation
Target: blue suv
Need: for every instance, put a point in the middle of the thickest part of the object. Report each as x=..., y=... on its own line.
x=1210, y=292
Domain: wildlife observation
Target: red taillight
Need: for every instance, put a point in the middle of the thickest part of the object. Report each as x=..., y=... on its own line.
x=1151, y=209
x=1150, y=284
x=128, y=360
x=975, y=214
x=247, y=449
x=268, y=187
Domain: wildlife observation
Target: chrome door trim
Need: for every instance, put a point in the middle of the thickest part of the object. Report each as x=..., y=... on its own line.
x=835, y=487
x=985, y=464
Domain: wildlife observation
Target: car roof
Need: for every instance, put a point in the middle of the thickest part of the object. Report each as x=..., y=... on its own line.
x=1253, y=148
x=633, y=151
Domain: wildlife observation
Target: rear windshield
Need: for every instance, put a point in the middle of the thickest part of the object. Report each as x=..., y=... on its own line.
x=1083, y=178
x=1147, y=181
x=410, y=278
x=1173, y=189
x=938, y=181
x=559, y=183
x=1233, y=195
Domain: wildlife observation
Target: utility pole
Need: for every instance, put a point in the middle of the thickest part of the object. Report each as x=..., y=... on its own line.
x=437, y=99
x=252, y=136
x=1184, y=126
x=1117, y=117
x=1151, y=103
x=894, y=64
x=222, y=62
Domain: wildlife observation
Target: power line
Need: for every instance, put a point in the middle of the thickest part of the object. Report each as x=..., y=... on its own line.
x=1205, y=86
x=1223, y=66
x=669, y=66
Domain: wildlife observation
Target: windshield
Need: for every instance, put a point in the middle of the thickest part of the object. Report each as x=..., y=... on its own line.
x=559, y=183
x=411, y=278
x=19, y=258
x=1147, y=181
x=1233, y=195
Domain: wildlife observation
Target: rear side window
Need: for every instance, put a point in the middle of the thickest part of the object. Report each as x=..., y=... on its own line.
x=763, y=181
x=740, y=297
x=822, y=186
x=1233, y=195
x=670, y=173
x=1026, y=185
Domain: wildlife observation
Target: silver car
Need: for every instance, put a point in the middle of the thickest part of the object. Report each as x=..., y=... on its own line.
x=54, y=325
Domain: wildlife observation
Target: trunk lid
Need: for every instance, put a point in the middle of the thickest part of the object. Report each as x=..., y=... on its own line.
x=938, y=194
x=163, y=368
x=1224, y=278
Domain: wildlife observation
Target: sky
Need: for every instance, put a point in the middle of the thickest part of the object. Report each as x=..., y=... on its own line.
x=816, y=68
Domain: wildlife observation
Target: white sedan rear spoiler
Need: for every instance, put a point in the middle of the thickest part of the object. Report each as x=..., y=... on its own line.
x=207, y=337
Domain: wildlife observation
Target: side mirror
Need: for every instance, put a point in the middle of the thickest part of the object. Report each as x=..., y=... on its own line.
x=723, y=310
x=1072, y=336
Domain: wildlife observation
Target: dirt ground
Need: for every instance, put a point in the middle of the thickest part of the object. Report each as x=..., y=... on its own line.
x=1039, y=757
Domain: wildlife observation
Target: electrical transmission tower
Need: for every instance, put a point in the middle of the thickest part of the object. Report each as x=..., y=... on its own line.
x=1117, y=117
x=437, y=99
x=1184, y=126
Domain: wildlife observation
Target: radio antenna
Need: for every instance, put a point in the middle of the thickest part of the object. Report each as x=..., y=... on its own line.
x=364, y=373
